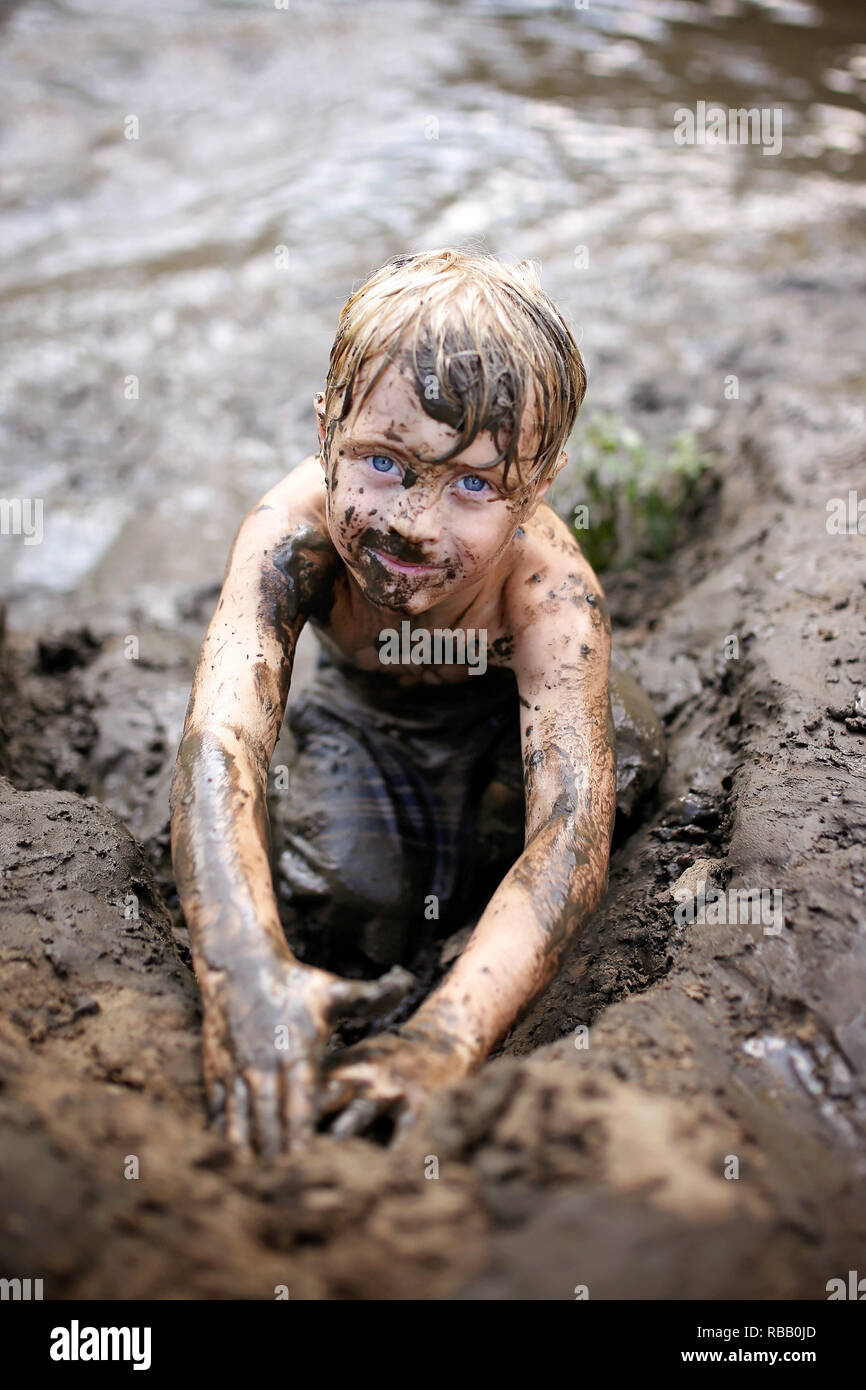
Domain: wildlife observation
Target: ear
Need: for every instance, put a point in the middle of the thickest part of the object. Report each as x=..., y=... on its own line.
x=319, y=408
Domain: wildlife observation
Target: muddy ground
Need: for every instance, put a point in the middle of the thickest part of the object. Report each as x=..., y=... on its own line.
x=608, y=1165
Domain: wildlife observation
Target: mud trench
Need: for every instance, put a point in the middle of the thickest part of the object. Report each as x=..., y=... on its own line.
x=681, y=1114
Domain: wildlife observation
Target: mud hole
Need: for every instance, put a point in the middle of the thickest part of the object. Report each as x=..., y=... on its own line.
x=560, y=1164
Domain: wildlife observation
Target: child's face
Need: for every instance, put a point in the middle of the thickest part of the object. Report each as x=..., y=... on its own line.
x=411, y=532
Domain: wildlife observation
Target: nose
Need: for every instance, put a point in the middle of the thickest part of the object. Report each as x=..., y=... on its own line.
x=414, y=519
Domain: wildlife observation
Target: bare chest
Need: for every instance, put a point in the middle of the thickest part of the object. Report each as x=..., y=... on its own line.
x=416, y=650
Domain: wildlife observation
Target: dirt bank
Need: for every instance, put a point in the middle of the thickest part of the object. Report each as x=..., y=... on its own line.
x=158, y=377
x=576, y=1157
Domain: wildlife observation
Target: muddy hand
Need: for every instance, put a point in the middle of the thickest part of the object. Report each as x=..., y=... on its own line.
x=265, y=1030
x=387, y=1075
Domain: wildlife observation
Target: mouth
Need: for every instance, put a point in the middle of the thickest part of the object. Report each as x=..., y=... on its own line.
x=401, y=567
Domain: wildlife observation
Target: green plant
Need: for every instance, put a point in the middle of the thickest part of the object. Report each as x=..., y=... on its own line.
x=625, y=500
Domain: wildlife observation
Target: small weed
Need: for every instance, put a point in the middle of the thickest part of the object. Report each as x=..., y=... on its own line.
x=624, y=500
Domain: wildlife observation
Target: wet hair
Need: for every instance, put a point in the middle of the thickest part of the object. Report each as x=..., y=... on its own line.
x=483, y=340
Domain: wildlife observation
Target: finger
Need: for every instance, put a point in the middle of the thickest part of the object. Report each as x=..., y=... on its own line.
x=265, y=1107
x=357, y=1116
x=336, y=1094
x=216, y=1100
x=237, y=1115
x=406, y=1122
x=300, y=1109
x=362, y=998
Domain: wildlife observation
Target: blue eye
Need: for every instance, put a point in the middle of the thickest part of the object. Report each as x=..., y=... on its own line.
x=474, y=483
x=382, y=463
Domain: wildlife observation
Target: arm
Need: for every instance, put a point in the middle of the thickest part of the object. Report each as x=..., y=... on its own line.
x=219, y=827
x=561, y=661
x=259, y=1079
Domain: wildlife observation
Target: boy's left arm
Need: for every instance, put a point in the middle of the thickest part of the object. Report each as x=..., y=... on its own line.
x=561, y=661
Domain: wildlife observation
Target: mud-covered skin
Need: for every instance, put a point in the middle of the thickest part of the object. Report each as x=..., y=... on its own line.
x=372, y=531
x=267, y=1018
x=393, y=1073
x=419, y=513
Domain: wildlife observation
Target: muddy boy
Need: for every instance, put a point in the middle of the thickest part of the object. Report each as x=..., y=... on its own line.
x=453, y=385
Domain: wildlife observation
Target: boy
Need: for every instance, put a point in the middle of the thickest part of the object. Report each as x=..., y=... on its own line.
x=453, y=385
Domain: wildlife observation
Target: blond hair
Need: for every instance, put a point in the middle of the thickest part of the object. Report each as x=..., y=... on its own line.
x=483, y=340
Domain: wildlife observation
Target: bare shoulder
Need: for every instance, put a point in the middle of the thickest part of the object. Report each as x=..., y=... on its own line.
x=282, y=563
x=298, y=499
x=551, y=583
x=285, y=525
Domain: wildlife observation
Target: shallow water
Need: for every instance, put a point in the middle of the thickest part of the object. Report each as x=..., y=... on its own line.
x=167, y=302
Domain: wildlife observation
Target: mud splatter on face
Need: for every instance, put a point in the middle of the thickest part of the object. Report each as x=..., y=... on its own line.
x=419, y=510
x=372, y=539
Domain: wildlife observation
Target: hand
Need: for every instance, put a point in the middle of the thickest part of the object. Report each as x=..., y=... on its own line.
x=265, y=1030
x=389, y=1074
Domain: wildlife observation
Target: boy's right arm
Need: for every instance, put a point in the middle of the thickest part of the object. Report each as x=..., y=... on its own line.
x=267, y=1017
